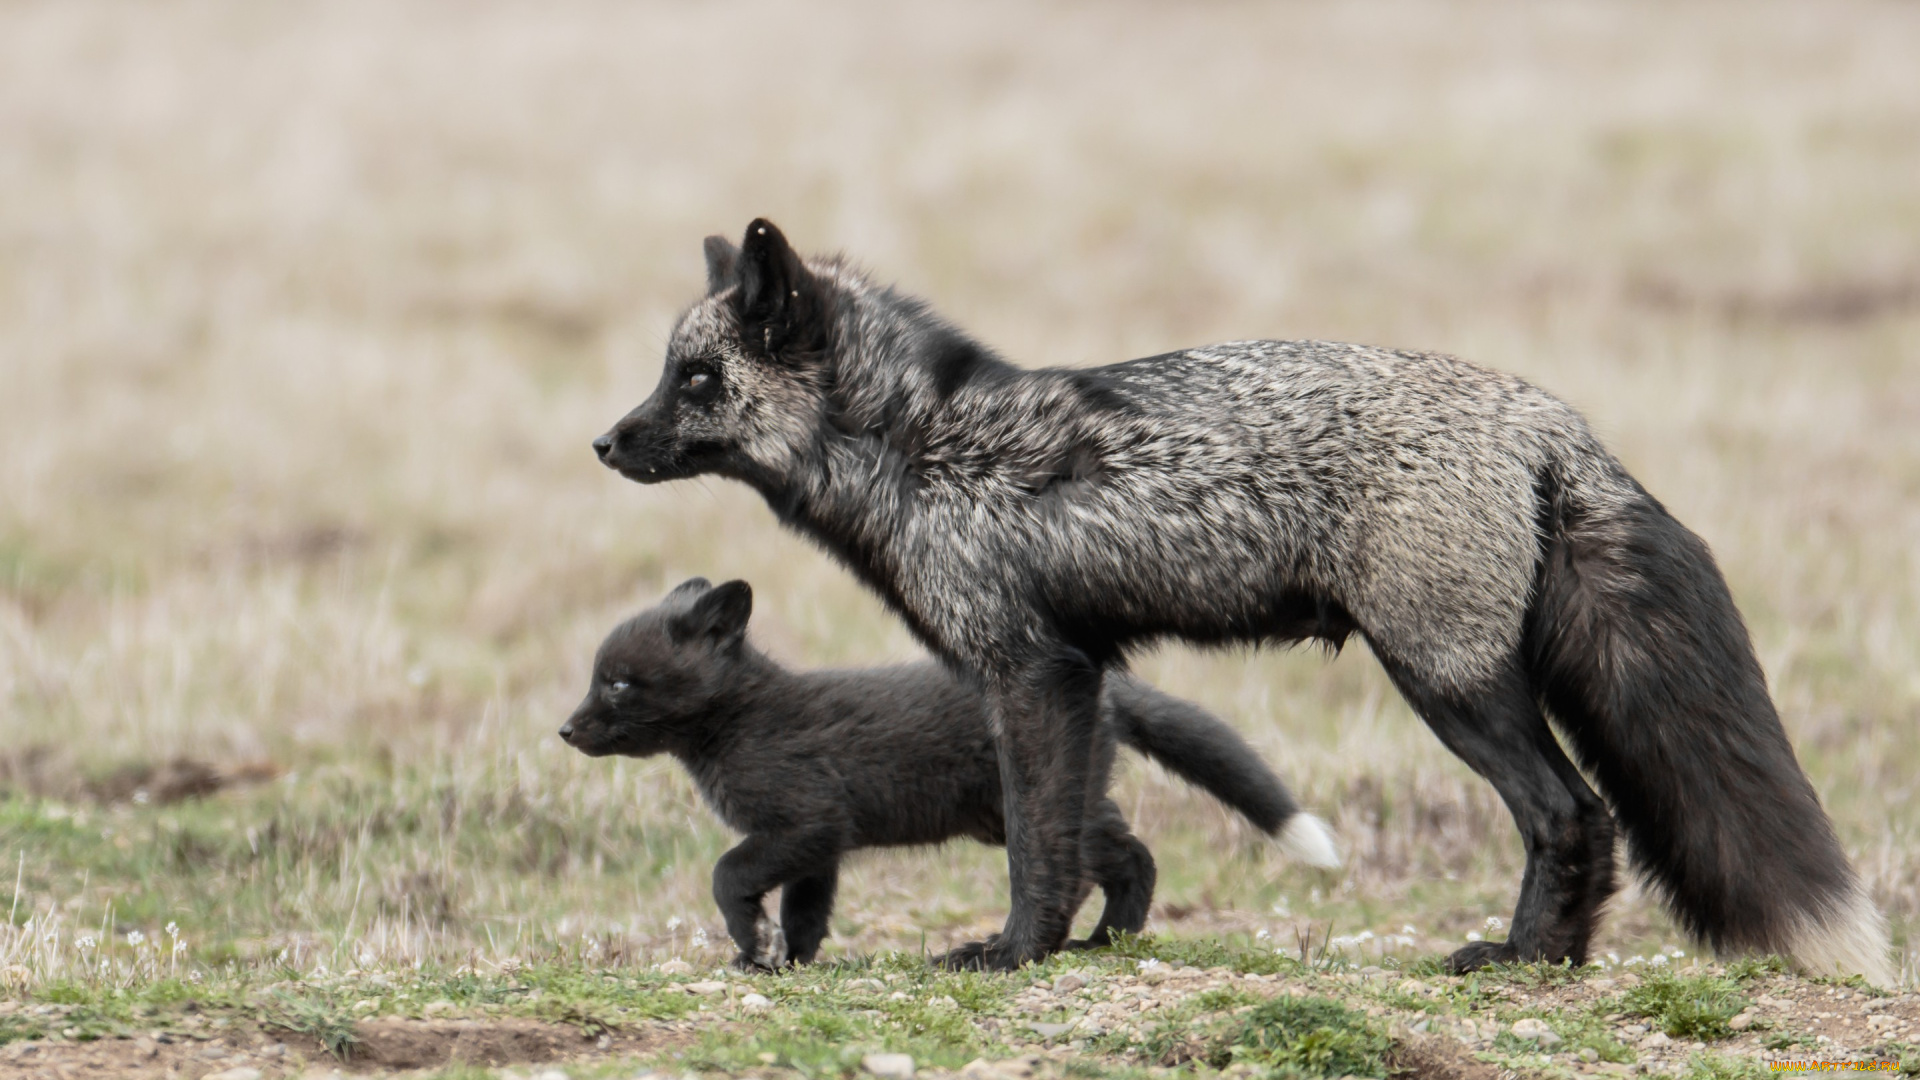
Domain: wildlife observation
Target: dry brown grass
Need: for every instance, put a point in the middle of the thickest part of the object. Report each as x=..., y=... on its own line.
x=308, y=313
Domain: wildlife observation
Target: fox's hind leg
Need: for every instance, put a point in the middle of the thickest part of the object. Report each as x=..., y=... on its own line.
x=1122, y=866
x=1499, y=732
x=805, y=906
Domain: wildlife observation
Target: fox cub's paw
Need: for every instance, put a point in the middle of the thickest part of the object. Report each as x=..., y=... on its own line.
x=769, y=952
x=754, y=965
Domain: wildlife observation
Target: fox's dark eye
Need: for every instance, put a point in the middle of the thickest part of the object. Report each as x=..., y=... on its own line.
x=698, y=382
x=617, y=687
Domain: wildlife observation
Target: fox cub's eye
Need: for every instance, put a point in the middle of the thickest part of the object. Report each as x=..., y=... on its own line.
x=699, y=380
x=617, y=687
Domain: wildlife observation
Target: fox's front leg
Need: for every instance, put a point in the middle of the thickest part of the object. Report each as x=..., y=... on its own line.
x=1047, y=715
x=742, y=879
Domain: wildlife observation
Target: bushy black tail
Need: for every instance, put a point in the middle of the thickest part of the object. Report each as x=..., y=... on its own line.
x=1199, y=748
x=1638, y=652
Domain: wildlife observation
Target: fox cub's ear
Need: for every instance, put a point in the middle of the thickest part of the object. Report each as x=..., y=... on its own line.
x=722, y=257
x=780, y=302
x=720, y=614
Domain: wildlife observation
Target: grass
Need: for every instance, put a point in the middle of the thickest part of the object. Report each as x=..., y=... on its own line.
x=1304, y=1036
x=1721, y=1067
x=306, y=327
x=1687, y=1006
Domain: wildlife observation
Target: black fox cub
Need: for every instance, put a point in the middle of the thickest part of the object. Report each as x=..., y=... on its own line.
x=812, y=765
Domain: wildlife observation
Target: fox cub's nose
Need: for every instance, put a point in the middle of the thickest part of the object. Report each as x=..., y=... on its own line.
x=603, y=446
x=566, y=732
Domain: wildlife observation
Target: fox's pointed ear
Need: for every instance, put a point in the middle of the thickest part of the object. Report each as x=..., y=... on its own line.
x=722, y=258
x=689, y=588
x=720, y=614
x=780, y=302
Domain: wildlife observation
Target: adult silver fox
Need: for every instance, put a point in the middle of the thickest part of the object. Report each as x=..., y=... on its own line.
x=1033, y=525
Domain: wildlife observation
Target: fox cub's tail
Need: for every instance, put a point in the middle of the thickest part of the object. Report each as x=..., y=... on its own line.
x=1199, y=748
x=1637, y=650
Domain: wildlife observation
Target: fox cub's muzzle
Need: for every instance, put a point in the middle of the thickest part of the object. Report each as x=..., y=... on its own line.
x=588, y=733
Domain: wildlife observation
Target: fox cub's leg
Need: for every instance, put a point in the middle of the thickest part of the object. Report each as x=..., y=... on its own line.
x=1499, y=732
x=1122, y=866
x=742, y=879
x=804, y=908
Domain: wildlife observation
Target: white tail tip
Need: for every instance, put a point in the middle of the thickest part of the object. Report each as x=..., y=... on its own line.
x=1851, y=940
x=1306, y=839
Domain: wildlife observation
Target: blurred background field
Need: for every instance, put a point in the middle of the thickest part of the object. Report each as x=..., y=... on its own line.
x=308, y=313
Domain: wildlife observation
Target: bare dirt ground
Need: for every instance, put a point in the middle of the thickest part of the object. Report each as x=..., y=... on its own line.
x=1058, y=1021
x=381, y=1047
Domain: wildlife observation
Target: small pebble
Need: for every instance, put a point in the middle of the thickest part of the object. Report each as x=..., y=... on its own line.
x=889, y=1066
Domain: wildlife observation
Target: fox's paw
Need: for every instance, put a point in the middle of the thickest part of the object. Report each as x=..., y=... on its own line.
x=969, y=957
x=751, y=965
x=1479, y=954
x=989, y=955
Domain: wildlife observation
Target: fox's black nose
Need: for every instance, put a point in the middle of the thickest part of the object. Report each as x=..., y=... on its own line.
x=603, y=446
x=566, y=732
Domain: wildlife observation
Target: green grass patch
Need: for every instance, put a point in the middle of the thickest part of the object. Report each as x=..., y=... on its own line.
x=817, y=1042
x=325, y=1020
x=1687, y=1006
x=1748, y=968
x=1308, y=1036
x=1722, y=1067
x=1581, y=1029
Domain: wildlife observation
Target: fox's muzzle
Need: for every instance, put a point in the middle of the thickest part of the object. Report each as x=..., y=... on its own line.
x=639, y=449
